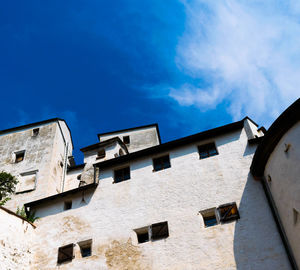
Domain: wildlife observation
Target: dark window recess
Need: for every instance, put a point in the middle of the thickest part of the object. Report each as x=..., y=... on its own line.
x=153, y=232
x=228, y=212
x=121, y=153
x=35, y=132
x=67, y=205
x=85, y=248
x=101, y=154
x=65, y=253
x=122, y=175
x=210, y=220
x=142, y=235
x=207, y=150
x=159, y=230
x=126, y=139
x=161, y=163
x=20, y=156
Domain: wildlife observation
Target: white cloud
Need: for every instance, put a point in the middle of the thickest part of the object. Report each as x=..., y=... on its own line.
x=246, y=51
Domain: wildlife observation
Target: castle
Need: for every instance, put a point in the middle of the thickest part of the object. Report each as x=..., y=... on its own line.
x=137, y=203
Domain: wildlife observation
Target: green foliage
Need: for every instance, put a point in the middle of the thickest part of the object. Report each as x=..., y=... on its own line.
x=7, y=186
x=31, y=217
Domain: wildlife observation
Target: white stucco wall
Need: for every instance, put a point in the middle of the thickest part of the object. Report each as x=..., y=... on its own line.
x=109, y=216
x=284, y=170
x=16, y=239
x=43, y=154
x=140, y=138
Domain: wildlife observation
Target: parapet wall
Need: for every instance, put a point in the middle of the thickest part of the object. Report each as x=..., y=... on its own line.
x=16, y=236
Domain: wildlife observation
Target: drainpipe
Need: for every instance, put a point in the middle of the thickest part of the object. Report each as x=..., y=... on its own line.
x=65, y=158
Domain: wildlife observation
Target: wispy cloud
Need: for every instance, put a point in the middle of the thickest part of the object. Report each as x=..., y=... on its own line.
x=244, y=53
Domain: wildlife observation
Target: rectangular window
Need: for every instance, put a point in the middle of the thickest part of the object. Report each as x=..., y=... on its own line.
x=209, y=217
x=65, y=254
x=142, y=235
x=122, y=174
x=67, y=205
x=161, y=163
x=126, y=139
x=101, y=154
x=159, y=230
x=35, y=132
x=19, y=156
x=228, y=212
x=207, y=150
x=224, y=213
x=153, y=232
x=85, y=248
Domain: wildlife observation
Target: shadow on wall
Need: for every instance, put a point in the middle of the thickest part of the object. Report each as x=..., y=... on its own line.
x=257, y=243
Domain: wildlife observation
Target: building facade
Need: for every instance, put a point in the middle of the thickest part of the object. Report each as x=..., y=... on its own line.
x=137, y=203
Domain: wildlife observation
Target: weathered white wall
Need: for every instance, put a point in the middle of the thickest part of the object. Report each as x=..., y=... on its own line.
x=284, y=170
x=43, y=154
x=16, y=240
x=110, y=215
x=140, y=138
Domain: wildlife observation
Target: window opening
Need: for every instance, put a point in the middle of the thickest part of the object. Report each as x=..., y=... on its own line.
x=67, y=205
x=159, y=230
x=122, y=175
x=228, y=212
x=85, y=248
x=142, y=235
x=209, y=217
x=207, y=150
x=161, y=163
x=153, y=232
x=65, y=253
x=126, y=139
x=101, y=154
x=35, y=132
x=121, y=153
x=19, y=156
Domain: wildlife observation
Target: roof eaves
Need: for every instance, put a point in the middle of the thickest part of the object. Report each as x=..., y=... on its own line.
x=280, y=126
x=169, y=145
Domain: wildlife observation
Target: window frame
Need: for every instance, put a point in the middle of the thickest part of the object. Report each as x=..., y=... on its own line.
x=22, y=153
x=206, y=148
x=101, y=153
x=161, y=163
x=149, y=231
x=123, y=175
x=69, y=257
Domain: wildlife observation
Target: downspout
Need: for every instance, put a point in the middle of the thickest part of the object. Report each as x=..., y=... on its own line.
x=278, y=222
x=65, y=158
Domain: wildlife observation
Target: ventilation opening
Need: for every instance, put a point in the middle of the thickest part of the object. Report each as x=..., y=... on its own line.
x=65, y=253
x=67, y=205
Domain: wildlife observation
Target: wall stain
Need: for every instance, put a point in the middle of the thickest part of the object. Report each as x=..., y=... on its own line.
x=124, y=256
x=71, y=223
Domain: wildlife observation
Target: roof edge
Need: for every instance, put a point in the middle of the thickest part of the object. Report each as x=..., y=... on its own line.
x=277, y=130
x=128, y=129
x=171, y=144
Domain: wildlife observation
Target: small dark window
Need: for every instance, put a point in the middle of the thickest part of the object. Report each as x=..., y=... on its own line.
x=142, y=235
x=228, y=212
x=209, y=217
x=101, y=154
x=161, y=163
x=207, y=150
x=35, y=132
x=65, y=253
x=19, y=156
x=67, y=205
x=121, y=153
x=79, y=177
x=85, y=248
x=122, y=175
x=159, y=230
x=126, y=139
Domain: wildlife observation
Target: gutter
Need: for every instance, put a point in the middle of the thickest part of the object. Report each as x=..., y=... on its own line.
x=279, y=225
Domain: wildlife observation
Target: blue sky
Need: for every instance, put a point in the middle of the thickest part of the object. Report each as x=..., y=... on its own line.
x=187, y=65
